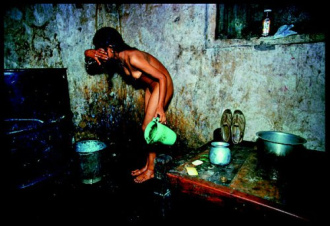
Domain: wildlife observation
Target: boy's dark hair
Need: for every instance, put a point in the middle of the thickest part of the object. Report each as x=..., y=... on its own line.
x=104, y=37
x=108, y=36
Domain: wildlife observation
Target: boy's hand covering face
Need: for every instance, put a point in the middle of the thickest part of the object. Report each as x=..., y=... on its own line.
x=100, y=54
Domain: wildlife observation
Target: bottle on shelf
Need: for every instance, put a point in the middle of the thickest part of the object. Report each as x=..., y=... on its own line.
x=266, y=23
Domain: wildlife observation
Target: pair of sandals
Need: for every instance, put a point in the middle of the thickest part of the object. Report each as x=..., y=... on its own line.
x=232, y=126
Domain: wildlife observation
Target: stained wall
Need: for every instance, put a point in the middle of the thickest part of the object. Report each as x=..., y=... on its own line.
x=280, y=86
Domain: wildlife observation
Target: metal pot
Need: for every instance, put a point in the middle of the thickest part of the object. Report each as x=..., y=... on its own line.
x=279, y=143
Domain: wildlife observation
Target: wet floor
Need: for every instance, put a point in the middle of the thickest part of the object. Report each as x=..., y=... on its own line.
x=115, y=199
x=124, y=205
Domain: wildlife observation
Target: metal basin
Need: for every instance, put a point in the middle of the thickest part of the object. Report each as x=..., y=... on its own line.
x=279, y=143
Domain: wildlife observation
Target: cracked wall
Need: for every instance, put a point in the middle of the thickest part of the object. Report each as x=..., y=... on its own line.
x=282, y=88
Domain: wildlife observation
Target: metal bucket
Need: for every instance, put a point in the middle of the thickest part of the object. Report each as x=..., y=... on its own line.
x=90, y=160
x=279, y=143
x=277, y=153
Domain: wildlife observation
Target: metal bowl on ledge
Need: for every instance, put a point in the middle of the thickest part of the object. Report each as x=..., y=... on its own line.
x=279, y=143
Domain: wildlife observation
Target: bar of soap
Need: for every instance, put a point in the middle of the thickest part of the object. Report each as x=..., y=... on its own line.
x=197, y=162
x=191, y=171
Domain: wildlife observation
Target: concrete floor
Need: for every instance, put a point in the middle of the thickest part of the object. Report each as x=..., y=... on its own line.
x=114, y=199
x=103, y=203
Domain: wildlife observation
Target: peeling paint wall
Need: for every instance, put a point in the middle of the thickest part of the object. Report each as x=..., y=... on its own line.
x=282, y=88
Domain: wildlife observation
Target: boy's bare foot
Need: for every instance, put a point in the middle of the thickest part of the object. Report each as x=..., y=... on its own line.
x=137, y=172
x=146, y=175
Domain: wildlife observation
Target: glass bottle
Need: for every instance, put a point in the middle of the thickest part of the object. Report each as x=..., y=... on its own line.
x=266, y=23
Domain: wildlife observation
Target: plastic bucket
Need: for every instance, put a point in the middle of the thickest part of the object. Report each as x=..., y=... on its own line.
x=158, y=132
x=90, y=160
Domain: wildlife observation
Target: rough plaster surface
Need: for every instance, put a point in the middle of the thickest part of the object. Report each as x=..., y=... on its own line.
x=278, y=89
